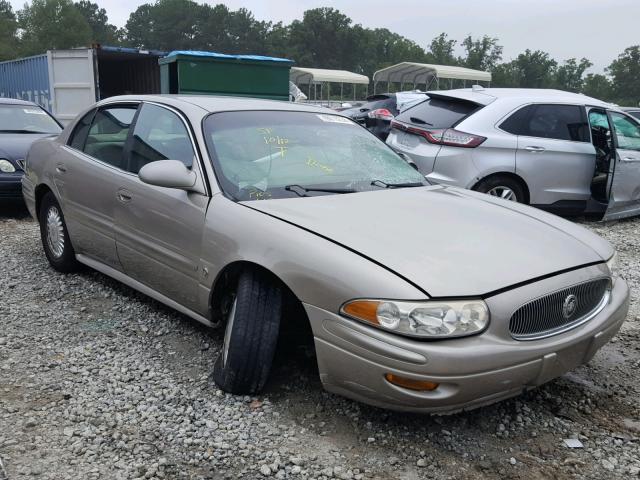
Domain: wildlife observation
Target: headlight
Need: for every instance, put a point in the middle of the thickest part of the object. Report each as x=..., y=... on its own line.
x=612, y=264
x=428, y=319
x=6, y=166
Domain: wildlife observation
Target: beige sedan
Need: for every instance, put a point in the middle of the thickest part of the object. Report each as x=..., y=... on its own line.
x=247, y=214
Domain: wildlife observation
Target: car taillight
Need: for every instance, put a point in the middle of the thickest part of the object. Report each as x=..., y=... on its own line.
x=443, y=136
x=380, y=114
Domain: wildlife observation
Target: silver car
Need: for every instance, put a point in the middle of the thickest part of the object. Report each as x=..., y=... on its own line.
x=559, y=151
x=253, y=215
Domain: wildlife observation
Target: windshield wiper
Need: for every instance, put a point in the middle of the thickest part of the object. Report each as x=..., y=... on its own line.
x=380, y=183
x=301, y=191
x=24, y=131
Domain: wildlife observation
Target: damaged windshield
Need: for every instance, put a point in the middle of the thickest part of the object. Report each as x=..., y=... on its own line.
x=260, y=155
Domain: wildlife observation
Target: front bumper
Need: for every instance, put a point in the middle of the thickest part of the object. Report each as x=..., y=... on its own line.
x=10, y=186
x=474, y=371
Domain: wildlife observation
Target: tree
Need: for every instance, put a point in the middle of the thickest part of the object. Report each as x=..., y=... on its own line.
x=528, y=70
x=441, y=50
x=598, y=86
x=101, y=30
x=625, y=72
x=8, y=31
x=52, y=24
x=569, y=76
x=482, y=53
x=167, y=25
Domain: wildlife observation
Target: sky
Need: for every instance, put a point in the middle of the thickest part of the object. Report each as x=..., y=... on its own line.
x=596, y=29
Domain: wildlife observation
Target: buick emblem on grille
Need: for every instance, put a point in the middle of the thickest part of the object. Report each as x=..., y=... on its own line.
x=569, y=306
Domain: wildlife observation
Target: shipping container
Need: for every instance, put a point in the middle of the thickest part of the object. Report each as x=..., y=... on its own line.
x=67, y=81
x=194, y=72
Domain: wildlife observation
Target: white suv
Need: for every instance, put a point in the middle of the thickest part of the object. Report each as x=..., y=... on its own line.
x=548, y=148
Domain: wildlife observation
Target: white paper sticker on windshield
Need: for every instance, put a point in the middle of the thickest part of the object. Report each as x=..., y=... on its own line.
x=335, y=119
x=33, y=111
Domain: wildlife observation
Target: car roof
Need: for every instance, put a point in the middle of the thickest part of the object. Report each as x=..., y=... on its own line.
x=485, y=96
x=15, y=101
x=631, y=109
x=214, y=103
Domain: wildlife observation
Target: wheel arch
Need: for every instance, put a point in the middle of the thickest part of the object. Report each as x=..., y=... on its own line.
x=228, y=276
x=511, y=175
x=40, y=191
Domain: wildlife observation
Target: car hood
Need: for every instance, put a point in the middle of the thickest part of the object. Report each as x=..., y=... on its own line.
x=14, y=146
x=443, y=239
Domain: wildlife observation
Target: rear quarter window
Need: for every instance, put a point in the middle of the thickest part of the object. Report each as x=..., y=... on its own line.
x=439, y=112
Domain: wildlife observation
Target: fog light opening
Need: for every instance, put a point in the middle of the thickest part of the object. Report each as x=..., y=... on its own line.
x=410, y=383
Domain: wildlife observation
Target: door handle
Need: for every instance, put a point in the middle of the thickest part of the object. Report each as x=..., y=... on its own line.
x=630, y=159
x=61, y=168
x=124, y=196
x=535, y=149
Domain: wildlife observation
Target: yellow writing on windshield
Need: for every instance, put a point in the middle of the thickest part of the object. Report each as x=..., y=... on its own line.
x=313, y=163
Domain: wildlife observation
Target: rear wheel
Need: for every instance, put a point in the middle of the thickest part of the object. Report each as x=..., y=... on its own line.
x=251, y=334
x=55, y=237
x=503, y=187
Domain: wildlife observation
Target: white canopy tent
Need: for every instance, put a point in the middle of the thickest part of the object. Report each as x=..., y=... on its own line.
x=417, y=74
x=320, y=76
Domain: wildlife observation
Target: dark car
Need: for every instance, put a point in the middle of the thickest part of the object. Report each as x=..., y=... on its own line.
x=21, y=123
x=376, y=114
x=378, y=110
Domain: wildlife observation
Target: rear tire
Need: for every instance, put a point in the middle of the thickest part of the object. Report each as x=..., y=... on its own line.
x=503, y=187
x=55, y=237
x=251, y=334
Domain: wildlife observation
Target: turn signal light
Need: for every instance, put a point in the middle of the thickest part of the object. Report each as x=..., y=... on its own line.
x=411, y=384
x=363, y=309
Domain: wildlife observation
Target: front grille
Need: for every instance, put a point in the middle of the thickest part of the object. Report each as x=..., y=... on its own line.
x=559, y=311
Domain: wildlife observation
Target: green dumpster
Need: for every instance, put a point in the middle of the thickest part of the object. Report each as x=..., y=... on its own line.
x=193, y=72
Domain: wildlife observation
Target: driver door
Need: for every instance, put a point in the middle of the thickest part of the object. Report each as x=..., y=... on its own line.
x=624, y=199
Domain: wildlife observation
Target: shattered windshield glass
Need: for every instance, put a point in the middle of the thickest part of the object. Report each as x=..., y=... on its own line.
x=277, y=154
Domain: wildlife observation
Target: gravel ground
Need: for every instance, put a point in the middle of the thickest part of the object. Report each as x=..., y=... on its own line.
x=98, y=381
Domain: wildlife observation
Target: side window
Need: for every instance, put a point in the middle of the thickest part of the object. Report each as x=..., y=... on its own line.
x=559, y=122
x=159, y=134
x=108, y=134
x=627, y=132
x=516, y=124
x=79, y=135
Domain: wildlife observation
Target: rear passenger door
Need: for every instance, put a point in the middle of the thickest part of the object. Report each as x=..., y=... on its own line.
x=159, y=230
x=88, y=177
x=624, y=198
x=555, y=155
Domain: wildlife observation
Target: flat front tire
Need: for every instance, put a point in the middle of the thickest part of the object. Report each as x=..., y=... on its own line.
x=55, y=237
x=251, y=334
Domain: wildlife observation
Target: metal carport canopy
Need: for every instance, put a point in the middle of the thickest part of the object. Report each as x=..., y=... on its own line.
x=318, y=75
x=416, y=73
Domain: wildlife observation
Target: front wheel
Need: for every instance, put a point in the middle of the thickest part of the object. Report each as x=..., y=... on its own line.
x=55, y=237
x=503, y=187
x=251, y=334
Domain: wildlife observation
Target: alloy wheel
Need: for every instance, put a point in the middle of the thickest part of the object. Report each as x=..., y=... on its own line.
x=503, y=192
x=55, y=232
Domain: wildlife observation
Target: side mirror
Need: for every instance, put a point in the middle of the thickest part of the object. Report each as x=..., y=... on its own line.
x=169, y=174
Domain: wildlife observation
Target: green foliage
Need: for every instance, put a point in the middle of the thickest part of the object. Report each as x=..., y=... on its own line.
x=570, y=75
x=625, y=73
x=442, y=50
x=598, y=86
x=528, y=70
x=482, y=53
x=52, y=24
x=8, y=31
x=101, y=30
